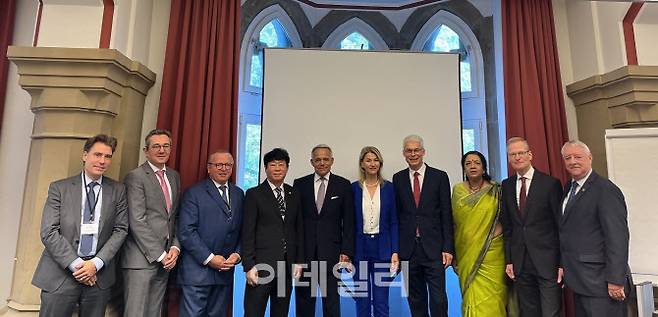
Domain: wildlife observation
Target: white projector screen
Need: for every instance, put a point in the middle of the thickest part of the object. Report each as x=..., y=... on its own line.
x=350, y=99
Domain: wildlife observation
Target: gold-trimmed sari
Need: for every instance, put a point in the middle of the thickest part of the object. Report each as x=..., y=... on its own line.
x=480, y=257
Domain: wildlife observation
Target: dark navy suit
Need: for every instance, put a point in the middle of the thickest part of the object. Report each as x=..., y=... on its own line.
x=374, y=249
x=432, y=220
x=206, y=226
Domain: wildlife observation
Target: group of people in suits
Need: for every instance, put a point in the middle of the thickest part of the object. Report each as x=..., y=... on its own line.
x=308, y=234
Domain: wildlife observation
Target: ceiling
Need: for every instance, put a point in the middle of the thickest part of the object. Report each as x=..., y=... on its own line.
x=375, y=4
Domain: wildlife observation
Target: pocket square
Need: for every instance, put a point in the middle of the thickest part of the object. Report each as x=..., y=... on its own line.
x=334, y=197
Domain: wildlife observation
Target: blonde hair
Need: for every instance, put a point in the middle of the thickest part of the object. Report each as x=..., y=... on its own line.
x=362, y=173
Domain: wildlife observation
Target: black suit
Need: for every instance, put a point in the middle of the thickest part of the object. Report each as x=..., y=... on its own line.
x=327, y=234
x=532, y=244
x=433, y=219
x=594, y=246
x=268, y=239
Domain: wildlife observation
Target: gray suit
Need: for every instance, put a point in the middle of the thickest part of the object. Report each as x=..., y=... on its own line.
x=60, y=234
x=152, y=232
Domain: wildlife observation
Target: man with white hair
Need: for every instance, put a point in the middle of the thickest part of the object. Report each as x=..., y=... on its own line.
x=593, y=237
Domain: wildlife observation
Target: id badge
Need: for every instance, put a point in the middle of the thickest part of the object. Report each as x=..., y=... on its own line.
x=89, y=228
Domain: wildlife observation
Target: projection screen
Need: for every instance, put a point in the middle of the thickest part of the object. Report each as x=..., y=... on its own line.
x=350, y=99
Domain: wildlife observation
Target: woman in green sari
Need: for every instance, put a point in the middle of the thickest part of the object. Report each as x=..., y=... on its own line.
x=480, y=257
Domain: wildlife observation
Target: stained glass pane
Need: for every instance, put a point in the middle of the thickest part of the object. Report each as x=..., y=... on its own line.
x=355, y=41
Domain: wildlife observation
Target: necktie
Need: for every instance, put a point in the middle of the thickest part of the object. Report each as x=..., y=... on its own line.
x=416, y=189
x=87, y=240
x=224, y=197
x=574, y=189
x=165, y=189
x=417, y=198
x=282, y=204
x=321, y=192
x=522, y=197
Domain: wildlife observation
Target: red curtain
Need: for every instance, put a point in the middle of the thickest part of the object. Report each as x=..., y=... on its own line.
x=7, y=13
x=534, y=102
x=199, y=97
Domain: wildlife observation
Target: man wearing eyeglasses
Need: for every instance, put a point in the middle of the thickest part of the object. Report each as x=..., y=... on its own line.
x=209, y=231
x=328, y=214
x=83, y=226
x=151, y=249
x=426, y=229
x=530, y=213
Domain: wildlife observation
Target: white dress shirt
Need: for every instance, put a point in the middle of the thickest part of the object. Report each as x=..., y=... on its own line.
x=580, y=182
x=371, y=210
x=98, y=192
x=155, y=170
x=421, y=176
x=528, y=175
x=317, y=182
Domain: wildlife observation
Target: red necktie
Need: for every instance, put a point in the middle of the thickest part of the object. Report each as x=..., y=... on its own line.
x=417, y=197
x=522, y=197
x=416, y=189
x=165, y=190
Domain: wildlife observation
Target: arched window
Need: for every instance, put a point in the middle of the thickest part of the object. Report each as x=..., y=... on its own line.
x=355, y=41
x=445, y=32
x=444, y=39
x=355, y=35
x=272, y=27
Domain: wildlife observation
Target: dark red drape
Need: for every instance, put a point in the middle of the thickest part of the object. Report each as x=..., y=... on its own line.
x=199, y=98
x=534, y=102
x=7, y=12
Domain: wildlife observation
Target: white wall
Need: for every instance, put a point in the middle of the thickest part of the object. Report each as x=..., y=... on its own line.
x=14, y=148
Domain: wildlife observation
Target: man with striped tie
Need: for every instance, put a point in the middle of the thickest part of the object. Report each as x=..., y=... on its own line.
x=272, y=239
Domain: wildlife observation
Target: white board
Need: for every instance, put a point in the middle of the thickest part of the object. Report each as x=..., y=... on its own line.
x=632, y=155
x=350, y=99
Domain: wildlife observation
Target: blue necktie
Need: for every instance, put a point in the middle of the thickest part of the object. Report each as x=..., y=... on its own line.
x=87, y=240
x=574, y=188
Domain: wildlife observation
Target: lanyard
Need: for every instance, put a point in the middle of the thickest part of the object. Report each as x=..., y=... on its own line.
x=92, y=209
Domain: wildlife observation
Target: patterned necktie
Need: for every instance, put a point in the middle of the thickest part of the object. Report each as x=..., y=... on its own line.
x=574, y=189
x=522, y=197
x=416, y=189
x=87, y=240
x=282, y=204
x=165, y=189
x=224, y=197
x=321, y=192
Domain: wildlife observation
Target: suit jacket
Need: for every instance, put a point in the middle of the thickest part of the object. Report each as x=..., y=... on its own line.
x=537, y=232
x=60, y=231
x=594, y=238
x=433, y=217
x=265, y=236
x=388, y=222
x=207, y=225
x=152, y=229
x=330, y=232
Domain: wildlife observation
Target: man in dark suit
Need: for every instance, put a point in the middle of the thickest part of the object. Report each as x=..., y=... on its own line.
x=151, y=248
x=272, y=235
x=593, y=237
x=209, y=231
x=328, y=214
x=531, y=205
x=83, y=226
x=426, y=229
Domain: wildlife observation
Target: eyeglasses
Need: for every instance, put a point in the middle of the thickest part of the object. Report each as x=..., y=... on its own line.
x=221, y=165
x=158, y=147
x=321, y=160
x=414, y=151
x=515, y=154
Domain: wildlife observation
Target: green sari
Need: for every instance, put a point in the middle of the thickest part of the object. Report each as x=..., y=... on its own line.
x=480, y=257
